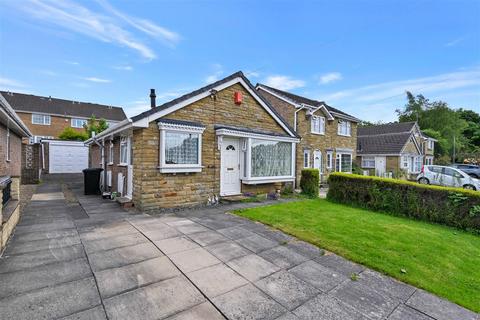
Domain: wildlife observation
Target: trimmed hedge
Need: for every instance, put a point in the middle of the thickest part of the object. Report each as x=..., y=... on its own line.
x=449, y=206
x=309, y=182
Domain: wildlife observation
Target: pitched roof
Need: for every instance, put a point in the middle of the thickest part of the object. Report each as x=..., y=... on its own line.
x=382, y=144
x=303, y=100
x=209, y=87
x=388, y=128
x=49, y=105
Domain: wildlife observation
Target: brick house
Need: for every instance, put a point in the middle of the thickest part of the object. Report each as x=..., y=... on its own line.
x=12, y=130
x=220, y=140
x=329, y=136
x=47, y=117
x=394, y=148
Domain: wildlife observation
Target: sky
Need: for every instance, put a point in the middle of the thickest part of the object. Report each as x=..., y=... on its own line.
x=358, y=56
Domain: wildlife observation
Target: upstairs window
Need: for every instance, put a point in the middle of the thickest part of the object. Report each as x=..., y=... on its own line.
x=318, y=125
x=344, y=128
x=42, y=119
x=430, y=144
x=78, y=123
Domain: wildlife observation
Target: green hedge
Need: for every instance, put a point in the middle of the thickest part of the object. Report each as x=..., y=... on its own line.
x=450, y=206
x=309, y=182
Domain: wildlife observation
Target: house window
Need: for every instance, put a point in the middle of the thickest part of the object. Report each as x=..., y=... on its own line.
x=78, y=123
x=38, y=139
x=344, y=128
x=430, y=144
x=42, y=119
x=418, y=164
x=124, y=150
x=110, y=152
x=343, y=162
x=428, y=161
x=8, y=144
x=329, y=159
x=306, y=158
x=368, y=162
x=317, y=124
x=271, y=158
x=405, y=162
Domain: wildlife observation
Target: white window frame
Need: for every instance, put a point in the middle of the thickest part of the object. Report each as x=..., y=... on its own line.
x=317, y=125
x=8, y=144
x=45, y=117
x=428, y=160
x=124, y=141
x=74, y=124
x=405, y=162
x=347, y=125
x=110, y=153
x=306, y=158
x=430, y=144
x=367, y=162
x=339, y=158
x=329, y=159
x=179, y=168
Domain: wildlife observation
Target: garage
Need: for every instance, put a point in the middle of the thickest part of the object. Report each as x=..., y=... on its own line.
x=66, y=156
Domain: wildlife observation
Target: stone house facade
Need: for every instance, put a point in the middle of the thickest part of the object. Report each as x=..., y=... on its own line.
x=395, y=149
x=328, y=135
x=221, y=140
x=47, y=117
x=12, y=132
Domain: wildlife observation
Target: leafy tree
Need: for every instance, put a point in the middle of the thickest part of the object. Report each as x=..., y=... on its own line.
x=73, y=135
x=95, y=125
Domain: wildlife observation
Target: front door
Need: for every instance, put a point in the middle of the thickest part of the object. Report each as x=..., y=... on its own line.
x=230, y=167
x=380, y=166
x=317, y=160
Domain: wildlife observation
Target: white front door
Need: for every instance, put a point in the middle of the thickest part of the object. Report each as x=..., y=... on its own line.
x=230, y=167
x=380, y=166
x=317, y=160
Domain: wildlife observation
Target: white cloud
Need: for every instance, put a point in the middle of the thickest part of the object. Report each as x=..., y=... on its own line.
x=330, y=77
x=252, y=74
x=454, y=42
x=216, y=74
x=97, y=80
x=123, y=68
x=7, y=82
x=284, y=82
x=107, y=28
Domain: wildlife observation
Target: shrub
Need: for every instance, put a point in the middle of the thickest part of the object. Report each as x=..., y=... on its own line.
x=309, y=182
x=449, y=206
x=73, y=135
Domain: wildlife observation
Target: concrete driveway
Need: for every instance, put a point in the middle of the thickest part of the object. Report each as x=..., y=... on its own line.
x=92, y=260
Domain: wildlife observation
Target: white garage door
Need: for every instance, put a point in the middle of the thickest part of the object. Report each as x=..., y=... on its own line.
x=67, y=157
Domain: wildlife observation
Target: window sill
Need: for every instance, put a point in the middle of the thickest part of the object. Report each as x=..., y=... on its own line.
x=41, y=124
x=267, y=180
x=109, y=163
x=192, y=169
x=122, y=164
x=318, y=133
x=344, y=135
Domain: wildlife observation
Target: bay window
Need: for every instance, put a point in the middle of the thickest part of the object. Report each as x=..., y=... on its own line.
x=271, y=158
x=343, y=162
x=344, y=128
x=368, y=162
x=180, y=147
x=317, y=124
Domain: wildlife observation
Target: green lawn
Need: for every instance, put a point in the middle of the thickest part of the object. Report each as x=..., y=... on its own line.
x=439, y=259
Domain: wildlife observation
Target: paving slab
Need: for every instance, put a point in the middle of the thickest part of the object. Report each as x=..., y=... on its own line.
x=119, y=257
x=325, y=307
x=248, y=302
x=114, y=242
x=174, y=245
x=39, y=258
x=191, y=228
x=236, y=232
x=252, y=267
x=32, y=246
x=46, y=227
x=105, y=231
x=51, y=302
x=339, y=264
x=43, y=276
x=305, y=249
x=287, y=289
x=257, y=243
x=283, y=257
x=161, y=232
x=45, y=235
x=370, y=302
x=117, y=280
x=386, y=285
x=438, y=308
x=216, y=280
x=226, y=251
x=287, y=316
x=204, y=311
x=97, y=313
x=404, y=312
x=155, y=301
x=322, y=278
x=194, y=259
x=208, y=237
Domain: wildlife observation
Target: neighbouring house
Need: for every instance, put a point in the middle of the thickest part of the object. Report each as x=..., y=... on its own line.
x=328, y=135
x=221, y=140
x=12, y=132
x=47, y=117
x=394, y=149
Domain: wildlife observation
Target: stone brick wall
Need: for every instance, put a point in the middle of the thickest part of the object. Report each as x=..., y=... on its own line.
x=329, y=141
x=31, y=163
x=153, y=190
x=10, y=167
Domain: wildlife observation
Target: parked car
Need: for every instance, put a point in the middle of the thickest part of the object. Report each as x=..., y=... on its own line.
x=448, y=177
x=470, y=169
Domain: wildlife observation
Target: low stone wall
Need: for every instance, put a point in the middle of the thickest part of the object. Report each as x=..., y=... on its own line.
x=31, y=163
x=10, y=213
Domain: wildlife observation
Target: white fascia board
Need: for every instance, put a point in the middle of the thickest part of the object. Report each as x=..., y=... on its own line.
x=9, y=112
x=325, y=111
x=243, y=134
x=143, y=123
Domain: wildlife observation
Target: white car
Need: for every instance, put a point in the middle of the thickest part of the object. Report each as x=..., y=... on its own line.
x=447, y=177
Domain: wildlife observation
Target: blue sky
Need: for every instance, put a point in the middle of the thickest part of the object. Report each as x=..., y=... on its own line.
x=359, y=56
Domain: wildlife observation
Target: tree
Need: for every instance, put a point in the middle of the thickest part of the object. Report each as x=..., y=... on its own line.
x=95, y=125
x=73, y=135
